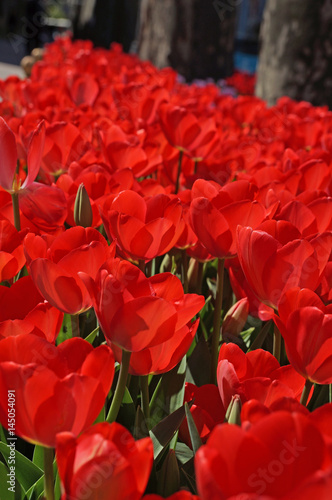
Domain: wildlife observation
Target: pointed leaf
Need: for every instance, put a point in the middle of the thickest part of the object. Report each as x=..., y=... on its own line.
x=163, y=432
x=140, y=428
x=27, y=473
x=169, y=393
x=193, y=432
x=38, y=457
x=6, y=494
x=259, y=340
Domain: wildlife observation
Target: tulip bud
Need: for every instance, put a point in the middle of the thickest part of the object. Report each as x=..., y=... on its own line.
x=169, y=476
x=236, y=318
x=82, y=208
x=233, y=413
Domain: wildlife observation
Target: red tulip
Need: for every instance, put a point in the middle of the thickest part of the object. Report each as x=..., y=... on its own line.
x=136, y=312
x=8, y=163
x=216, y=212
x=104, y=462
x=277, y=457
x=57, y=388
x=31, y=314
x=54, y=266
x=185, y=131
x=163, y=357
x=305, y=324
x=255, y=375
x=275, y=258
x=144, y=228
x=12, y=257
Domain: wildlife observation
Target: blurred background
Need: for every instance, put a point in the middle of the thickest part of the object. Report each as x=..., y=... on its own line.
x=287, y=43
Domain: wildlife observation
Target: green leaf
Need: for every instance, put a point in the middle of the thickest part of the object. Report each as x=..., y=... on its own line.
x=259, y=340
x=140, y=428
x=2, y=434
x=183, y=453
x=198, y=364
x=246, y=336
x=27, y=473
x=193, y=432
x=65, y=332
x=169, y=393
x=6, y=494
x=164, y=431
x=91, y=337
x=127, y=412
x=38, y=457
x=36, y=489
x=36, y=492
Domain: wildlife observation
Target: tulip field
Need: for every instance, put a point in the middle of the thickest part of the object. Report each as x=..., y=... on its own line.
x=166, y=286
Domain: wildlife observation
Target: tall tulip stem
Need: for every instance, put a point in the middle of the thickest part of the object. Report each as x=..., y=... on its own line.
x=145, y=399
x=217, y=320
x=306, y=392
x=277, y=344
x=48, y=471
x=177, y=184
x=184, y=257
x=120, y=387
x=16, y=210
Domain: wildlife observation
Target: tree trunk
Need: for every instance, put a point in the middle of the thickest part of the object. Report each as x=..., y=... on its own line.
x=195, y=37
x=296, y=54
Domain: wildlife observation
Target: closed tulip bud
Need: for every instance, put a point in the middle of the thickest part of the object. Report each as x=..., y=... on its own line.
x=236, y=318
x=233, y=413
x=82, y=208
x=169, y=479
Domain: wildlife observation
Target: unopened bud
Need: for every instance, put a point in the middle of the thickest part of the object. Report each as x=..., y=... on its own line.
x=233, y=413
x=236, y=318
x=82, y=209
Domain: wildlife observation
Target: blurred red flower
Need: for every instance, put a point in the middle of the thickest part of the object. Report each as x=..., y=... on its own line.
x=57, y=388
x=283, y=455
x=104, y=462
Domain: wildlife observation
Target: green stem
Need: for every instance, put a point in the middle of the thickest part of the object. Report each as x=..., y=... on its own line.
x=276, y=344
x=306, y=392
x=177, y=184
x=330, y=393
x=120, y=387
x=16, y=210
x=145, y=398
x=184, y=270
x=48, y=477
x=75, y=325
x=199, y=282
x=217, y=320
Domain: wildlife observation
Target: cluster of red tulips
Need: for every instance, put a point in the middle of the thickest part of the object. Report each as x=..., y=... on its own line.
x=166, y=287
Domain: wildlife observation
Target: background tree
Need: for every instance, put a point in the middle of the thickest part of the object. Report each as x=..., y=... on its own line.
x=195, y=37
x=296, y=53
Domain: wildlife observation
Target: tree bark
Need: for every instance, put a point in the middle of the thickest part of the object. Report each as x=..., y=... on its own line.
x=296, y=53
x=195, y=37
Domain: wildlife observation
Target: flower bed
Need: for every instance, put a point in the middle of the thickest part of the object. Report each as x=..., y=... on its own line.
x=165, y=263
